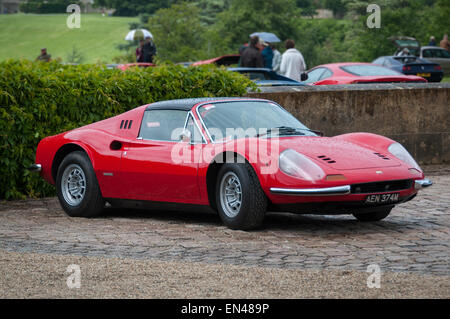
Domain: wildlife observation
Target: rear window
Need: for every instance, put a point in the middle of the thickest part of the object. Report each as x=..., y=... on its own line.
x=369, y=70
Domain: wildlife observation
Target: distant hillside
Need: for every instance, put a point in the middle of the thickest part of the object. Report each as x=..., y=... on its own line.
x=22, y=35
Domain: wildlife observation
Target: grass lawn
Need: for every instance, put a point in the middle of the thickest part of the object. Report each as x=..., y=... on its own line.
x=446, y=79
x=23, y=35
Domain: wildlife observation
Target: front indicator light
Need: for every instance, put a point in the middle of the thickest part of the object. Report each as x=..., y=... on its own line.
x=336, y=177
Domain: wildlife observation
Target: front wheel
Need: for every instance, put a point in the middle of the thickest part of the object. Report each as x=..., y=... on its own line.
x=373, y=216
x=77, y=186
x=240, y=200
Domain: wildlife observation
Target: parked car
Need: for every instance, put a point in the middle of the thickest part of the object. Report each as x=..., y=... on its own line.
x=226, y=60
x=127, y=66
x=268, y=77
x=431, y=53
x=356, y=73
x=437, y=55
x=412, y=65
x=402, y=42
x=181, y=154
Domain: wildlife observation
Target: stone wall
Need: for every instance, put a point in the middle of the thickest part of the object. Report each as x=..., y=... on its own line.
x=416, y=115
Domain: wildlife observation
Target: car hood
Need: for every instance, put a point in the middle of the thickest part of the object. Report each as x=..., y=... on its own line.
x=339, y=154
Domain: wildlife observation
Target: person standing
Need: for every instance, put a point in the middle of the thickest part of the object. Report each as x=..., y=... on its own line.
x=251, y=57
x=44, y=56
x=267, y=55
x=276, y=61
x=292, y=62
x=139, y=52
x=432, y=41
x=444, y=43
x=148, y=50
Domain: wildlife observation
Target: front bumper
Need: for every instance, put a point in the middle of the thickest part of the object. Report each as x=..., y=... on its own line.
x=35, y=168
x=327, y=191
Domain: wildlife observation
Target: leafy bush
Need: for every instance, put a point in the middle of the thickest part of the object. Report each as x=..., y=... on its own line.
x=41, y=99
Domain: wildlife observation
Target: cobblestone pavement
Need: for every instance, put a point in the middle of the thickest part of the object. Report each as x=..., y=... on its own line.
x=414, y=238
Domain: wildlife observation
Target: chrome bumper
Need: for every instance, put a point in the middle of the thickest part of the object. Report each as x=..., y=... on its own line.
x=422, y=183
x=328, y=191
x=35, y=168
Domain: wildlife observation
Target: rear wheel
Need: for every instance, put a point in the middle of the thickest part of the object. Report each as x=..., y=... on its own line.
x=240, y=200
x=77, y=186
x=373, y=216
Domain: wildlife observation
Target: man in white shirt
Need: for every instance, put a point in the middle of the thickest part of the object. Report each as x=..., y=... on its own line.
x=276, y=62
x=292, y=62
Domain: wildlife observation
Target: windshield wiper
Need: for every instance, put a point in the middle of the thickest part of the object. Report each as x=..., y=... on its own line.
x=281, y=130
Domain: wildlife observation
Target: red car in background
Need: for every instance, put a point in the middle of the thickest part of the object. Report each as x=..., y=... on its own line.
x=124, y=67
x=357, y=73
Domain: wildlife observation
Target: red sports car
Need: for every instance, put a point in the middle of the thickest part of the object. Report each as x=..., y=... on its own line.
x=356, y=73
x=237, y=156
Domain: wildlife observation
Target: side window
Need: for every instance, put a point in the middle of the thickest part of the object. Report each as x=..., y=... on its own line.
x=326, y=74
x=314, y=75
x=160, y=125
x=427, y=54
x=196, y=136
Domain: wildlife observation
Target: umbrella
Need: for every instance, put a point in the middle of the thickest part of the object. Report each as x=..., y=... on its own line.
x=138, y=34
x=266, y=37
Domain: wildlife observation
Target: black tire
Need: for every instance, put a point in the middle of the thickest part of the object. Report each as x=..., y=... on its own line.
x=373, y=216
x=87, y=203
x=252, y=209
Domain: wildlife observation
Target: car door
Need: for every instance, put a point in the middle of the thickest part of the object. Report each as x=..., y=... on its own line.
x=150, y=170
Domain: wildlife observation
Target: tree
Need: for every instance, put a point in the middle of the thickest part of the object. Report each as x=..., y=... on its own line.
x=245, y=17
x=179, y=35
x=133, y=8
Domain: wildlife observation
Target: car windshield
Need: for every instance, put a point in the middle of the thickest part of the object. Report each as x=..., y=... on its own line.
x=369, y=70
x=238, y=119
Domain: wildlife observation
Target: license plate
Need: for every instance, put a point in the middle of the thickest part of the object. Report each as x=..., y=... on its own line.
x=382, y=198
x=426, y=75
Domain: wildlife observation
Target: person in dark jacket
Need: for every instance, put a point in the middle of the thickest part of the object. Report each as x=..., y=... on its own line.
x=139, y=52
x=267, y=54
x=251, y=57
x=148, y=50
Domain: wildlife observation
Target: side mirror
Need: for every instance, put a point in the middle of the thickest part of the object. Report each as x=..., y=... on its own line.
x=185, y=136
x=304, y=76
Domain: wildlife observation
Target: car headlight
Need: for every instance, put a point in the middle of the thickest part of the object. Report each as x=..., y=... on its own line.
x=299, y=166
x=402, y=154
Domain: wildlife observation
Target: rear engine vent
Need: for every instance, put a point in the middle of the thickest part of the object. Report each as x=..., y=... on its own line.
x=382, y=156
x=126, y=124
x=326, y=159
x=380, y=187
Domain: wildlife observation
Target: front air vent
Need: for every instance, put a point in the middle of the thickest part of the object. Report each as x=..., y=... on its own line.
x=126, y=124
x=380, y=187
x=382, y=156
x=326, y=159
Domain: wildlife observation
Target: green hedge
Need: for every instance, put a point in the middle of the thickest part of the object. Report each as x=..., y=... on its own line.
x=41, y=99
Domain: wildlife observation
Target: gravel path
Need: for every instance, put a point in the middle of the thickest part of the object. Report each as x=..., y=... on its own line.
x=27, y=275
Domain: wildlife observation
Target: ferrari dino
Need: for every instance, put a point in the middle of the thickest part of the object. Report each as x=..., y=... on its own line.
x=239, y=157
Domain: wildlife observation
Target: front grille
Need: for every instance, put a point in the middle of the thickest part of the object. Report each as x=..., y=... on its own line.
x=380, y=187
